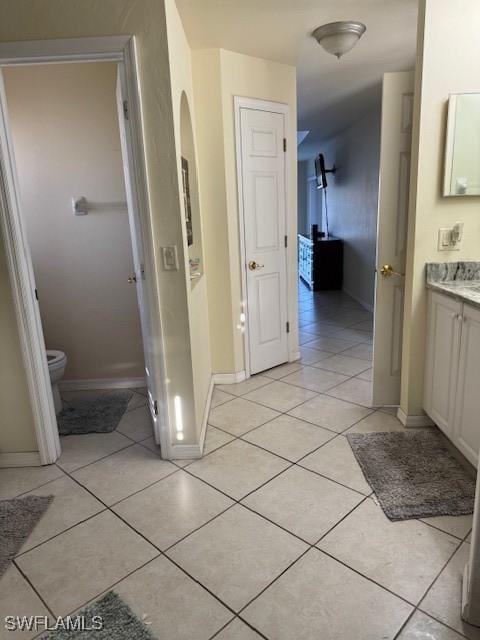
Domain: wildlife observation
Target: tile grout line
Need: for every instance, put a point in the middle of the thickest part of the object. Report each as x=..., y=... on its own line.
x=37, y=593
x=236, y=615
x=418, y=605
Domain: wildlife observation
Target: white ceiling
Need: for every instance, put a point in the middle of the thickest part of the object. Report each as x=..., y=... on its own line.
x=331, y=93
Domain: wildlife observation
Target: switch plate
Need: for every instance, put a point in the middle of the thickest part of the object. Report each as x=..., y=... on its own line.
x=170, y=258
x=450, y=238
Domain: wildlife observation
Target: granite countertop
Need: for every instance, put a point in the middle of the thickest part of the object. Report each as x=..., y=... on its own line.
x=459, y=280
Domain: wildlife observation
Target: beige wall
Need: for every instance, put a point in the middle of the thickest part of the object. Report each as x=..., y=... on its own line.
x=353, y=201
x=16, y=421
x=144, y=19
x=184, y=127
x=64, y=124
x=448, y=62
x=220, y=75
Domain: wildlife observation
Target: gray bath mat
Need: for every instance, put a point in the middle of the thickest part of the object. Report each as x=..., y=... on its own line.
x=18, y=517
x=118, y=623
x=97, y=414
x=414, y=474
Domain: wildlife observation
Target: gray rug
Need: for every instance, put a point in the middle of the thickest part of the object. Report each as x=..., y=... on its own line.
x=414, y=474
x=118, y=623
x=97, y=414
x=18, y=517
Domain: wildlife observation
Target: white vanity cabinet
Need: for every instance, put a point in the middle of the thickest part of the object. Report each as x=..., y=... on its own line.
x=467, y=399
x=452, y=373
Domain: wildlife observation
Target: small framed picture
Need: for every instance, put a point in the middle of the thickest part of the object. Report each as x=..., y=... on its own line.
x=187, y=202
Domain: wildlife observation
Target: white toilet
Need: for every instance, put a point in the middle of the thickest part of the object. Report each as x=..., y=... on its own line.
x=57, y=361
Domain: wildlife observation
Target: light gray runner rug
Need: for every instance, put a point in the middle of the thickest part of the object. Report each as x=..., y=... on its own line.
x=98, y=414
x=414, y=474
x=118, y=623
x=18, y=517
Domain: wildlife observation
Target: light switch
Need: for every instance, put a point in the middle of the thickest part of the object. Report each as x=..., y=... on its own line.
x=170, y=258
x=450, y=238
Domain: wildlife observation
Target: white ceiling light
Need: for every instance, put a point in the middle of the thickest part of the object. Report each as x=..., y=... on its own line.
x=339, y=37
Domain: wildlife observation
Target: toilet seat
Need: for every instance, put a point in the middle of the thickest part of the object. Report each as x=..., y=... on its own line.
x=56, y=359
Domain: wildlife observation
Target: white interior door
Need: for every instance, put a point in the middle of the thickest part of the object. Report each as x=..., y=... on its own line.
x=396, y=135
x=262, y=174
x=141, y=275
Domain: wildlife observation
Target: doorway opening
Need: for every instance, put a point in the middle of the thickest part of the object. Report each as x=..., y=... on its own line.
x=350, y=230
x=77, y=239
x=66, y=141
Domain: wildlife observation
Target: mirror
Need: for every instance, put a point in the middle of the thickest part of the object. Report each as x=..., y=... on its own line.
x=462, y=151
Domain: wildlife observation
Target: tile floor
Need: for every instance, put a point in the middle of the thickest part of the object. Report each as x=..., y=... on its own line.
x=273, y=534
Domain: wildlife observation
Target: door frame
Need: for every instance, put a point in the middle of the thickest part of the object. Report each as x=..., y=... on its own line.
x=120, y=49
x=241, y=102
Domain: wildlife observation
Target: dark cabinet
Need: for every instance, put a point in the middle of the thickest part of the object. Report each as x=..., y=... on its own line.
x=320, y=262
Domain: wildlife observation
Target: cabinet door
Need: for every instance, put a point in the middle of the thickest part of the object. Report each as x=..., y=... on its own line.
x=443, y=345
x=467, y=401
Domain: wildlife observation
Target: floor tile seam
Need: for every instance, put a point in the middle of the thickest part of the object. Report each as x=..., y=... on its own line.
x=37, y=487
x=32, y=586
x=291, y=462
x=437, y=528
x=127, y=446
x=21, y=554
x=444, y=566
x=105, y=590
x=356, y=375
x=248, y=624
x=345, y=564
x=106, y=508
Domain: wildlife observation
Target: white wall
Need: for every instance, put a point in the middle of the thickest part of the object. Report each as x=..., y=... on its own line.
x=185, y=141
x=64, y=124
x=352, y=201
x=145, y=20
x=448, y=61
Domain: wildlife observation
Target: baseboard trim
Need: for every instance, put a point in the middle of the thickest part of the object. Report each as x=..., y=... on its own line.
x=229, y=378
x=20, y=459
x=365, y=305
x=185, y=451
x=414, y=421
x=191, y=451
x=294, y=356
x=102, y=383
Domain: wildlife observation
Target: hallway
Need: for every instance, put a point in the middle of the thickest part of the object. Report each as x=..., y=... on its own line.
x=275, y=530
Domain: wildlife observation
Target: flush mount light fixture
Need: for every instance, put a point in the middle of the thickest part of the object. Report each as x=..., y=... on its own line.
x=339, y=37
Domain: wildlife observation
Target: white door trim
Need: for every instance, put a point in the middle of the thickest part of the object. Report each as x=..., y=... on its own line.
x=276, y=107
x=115, y=48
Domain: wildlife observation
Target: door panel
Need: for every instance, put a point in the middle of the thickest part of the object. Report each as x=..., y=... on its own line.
x=467, y=403
x=443, y=343
x=262, y=175
x=150, y=345
x=394, y=179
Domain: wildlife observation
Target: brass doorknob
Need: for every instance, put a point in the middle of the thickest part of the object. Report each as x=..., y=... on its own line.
x=253, y=265
x=132, y=279
x=387, y=271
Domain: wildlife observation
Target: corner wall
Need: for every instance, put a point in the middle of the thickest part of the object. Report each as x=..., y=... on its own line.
x=218, y=76
x=352, y=195
x=182, y=95
x=441, y=69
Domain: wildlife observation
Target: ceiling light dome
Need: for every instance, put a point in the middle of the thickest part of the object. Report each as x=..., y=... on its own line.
x=339, y=37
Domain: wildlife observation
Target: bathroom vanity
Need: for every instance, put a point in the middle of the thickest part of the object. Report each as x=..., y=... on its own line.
x=452, y=372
